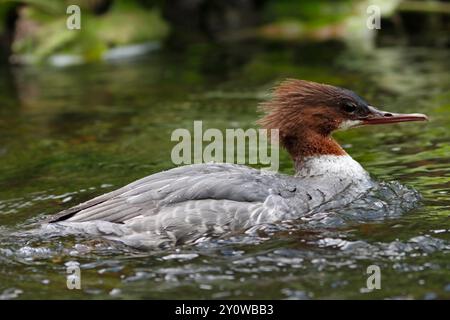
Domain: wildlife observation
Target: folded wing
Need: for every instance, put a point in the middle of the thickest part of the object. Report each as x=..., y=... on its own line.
x=179, y=187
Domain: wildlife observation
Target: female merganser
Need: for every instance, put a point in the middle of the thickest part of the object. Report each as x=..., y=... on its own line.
x=189, y=202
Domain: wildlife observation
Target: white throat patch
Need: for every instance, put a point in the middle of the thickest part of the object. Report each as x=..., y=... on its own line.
x=332, y=166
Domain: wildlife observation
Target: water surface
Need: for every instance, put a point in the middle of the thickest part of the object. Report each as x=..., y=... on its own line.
x=67, y=135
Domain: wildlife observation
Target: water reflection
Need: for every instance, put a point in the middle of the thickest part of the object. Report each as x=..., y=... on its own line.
x=70, y=134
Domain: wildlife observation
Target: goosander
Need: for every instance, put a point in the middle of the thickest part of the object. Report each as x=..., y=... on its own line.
x=189, y=202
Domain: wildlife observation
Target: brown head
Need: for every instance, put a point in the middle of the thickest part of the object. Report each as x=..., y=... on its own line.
x=306, y=114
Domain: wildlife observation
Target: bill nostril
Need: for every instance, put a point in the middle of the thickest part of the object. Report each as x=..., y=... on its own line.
x=387, y=114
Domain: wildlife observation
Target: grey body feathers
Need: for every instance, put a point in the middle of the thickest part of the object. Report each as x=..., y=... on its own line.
x=185, y=203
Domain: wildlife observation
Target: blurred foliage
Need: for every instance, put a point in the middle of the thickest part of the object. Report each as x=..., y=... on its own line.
x=41, y=29
x=39, y=26
x=313, y=13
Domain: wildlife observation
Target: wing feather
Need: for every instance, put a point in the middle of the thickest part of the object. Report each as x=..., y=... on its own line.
x=150, y=195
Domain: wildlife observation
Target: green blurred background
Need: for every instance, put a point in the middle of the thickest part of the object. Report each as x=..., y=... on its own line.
x=34, y=31
x=83, y=112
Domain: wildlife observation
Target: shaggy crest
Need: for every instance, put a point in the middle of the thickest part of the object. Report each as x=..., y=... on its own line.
x=285, y=111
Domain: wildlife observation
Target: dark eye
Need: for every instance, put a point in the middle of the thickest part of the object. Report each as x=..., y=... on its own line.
x=349, y=107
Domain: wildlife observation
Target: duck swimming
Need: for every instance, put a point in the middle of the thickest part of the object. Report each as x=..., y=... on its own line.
x=186, y=203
